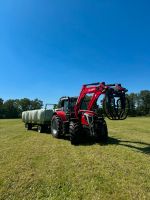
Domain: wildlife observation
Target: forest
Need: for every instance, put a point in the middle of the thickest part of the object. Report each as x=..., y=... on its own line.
x=13, y=108
x=139, y=103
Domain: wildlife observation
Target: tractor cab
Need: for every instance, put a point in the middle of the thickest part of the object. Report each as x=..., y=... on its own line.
x=63, y=104
x=66, y=104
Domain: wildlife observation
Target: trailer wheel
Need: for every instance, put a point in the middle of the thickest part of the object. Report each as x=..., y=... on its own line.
x=40, y=129
x=75, y=133
x=28, y=126
x=56, y=126
x=102, y=132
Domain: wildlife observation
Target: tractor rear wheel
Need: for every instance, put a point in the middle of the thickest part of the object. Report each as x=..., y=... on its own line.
x=75, y=133
x=56, y=126
x=102, y=132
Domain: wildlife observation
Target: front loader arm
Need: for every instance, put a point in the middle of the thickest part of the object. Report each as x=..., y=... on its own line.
x=96, y=89
x=113, y=109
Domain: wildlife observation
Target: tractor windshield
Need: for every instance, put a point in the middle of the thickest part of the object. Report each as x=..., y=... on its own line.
x=73, y=103
x=85, y=102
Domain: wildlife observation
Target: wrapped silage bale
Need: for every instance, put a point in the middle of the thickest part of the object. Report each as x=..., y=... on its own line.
x=44, y=116
x=30, y=116
x=34, y=116
x=25, y=116
x=41, y=116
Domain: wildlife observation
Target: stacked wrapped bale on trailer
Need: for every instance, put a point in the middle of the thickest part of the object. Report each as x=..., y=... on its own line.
x=40, y=118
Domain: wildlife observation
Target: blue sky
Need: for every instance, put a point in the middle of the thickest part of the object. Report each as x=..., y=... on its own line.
x=49, y=48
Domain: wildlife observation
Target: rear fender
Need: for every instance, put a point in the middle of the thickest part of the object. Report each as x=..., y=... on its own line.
x=62, y=115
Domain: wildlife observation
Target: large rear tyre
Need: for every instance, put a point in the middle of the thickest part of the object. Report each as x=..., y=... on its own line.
x=56, y=126
x=75, y=133
x=102, y=132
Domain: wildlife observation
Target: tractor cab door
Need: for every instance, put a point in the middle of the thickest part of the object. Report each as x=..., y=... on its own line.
x=64, y=104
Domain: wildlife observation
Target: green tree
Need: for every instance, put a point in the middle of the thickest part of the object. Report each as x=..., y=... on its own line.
x=133, y=103
x=1, y=108
x=36, y=104
x=1, y=102
x=13, y=108
x=144, y=102
x=10, y=109
x=25, y=104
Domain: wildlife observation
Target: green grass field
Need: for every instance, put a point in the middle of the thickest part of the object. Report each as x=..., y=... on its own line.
x=37, y=166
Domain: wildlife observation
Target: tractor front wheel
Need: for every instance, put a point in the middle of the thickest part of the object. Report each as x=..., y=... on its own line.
x=75, y=132
x=56, y=126
x=102, y=132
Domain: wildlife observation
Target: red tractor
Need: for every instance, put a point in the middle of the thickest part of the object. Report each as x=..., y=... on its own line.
x=79, y=117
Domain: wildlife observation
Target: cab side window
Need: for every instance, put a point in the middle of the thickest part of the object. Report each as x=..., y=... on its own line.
x=60, y=104
x=66, y=104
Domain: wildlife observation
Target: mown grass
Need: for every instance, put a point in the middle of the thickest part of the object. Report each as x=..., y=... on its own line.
x=37, y=166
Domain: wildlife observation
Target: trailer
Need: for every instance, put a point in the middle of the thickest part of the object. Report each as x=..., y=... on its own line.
x=37, y=118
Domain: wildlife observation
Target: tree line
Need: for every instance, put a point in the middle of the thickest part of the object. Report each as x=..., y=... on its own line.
x=13, y=108
x=139, y=105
